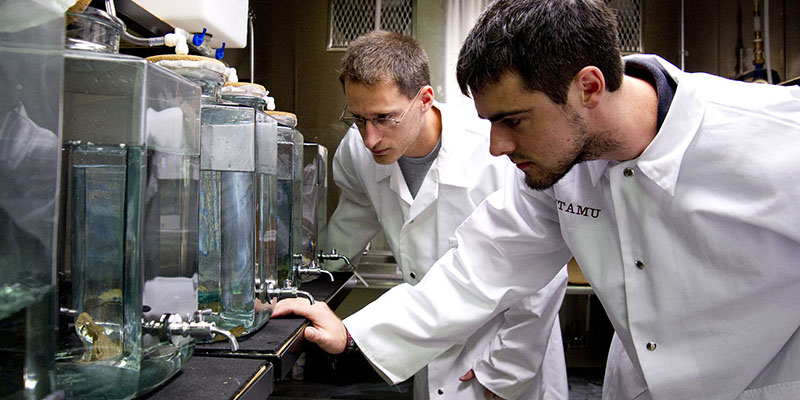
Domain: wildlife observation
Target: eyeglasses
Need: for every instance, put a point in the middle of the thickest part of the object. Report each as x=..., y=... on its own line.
x=382, y=123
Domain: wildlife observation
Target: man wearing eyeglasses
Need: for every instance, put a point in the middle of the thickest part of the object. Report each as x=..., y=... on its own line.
x=416, y=169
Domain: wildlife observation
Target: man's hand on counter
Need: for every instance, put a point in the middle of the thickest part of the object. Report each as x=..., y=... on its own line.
x=327, y=330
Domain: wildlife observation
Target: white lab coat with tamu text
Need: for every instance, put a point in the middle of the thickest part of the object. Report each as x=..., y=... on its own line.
x=693, y=248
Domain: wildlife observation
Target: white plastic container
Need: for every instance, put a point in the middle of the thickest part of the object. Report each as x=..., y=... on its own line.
x=225, y=20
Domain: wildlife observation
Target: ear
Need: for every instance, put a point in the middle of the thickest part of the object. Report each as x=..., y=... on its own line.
x=591, y=85
x=427, y=97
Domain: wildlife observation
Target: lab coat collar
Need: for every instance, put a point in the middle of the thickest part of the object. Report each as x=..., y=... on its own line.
x=397, y=182
x=454, y=124
x=384, y=171
x=661, y=160
x=597, y=169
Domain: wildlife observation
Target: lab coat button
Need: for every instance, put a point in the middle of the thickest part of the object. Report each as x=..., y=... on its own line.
x=639, y=264
x=412, y=275
x=440, y=391
x=651, y=346
x=628, y=172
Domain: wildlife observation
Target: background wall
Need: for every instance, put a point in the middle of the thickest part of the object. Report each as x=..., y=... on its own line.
x=716, y=30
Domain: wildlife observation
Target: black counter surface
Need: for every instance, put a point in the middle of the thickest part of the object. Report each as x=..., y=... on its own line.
x=204, y=378
x=216, y=372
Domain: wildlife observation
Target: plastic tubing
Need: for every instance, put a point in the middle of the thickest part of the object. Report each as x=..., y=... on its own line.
x=134, y=40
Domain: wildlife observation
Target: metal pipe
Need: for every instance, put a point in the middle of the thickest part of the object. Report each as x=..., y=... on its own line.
x=323, y=271
x=767, y=57
x=759, y=73
x=303, y=293
x=333, y=255
x=110, y=8
x=360, y=278
x=377, y=14
x=227, y=334
x=683, y=38
x=251, y=16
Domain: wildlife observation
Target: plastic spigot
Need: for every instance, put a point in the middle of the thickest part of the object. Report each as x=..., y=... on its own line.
x=198, y=38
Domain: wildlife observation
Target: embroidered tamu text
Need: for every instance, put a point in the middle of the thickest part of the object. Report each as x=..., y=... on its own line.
x=578, y=209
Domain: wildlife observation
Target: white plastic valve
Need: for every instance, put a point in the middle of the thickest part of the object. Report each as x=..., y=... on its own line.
x=230, y=75
x=178, y=41
x=181, y=31
x=182, y=48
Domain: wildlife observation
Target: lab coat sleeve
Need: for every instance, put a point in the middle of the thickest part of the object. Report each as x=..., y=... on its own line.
x=354, y=222
x=509, y=248
x=511, y=363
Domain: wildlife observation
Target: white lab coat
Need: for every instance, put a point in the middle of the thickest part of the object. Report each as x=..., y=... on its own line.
x=622, y=380
x=507, y=353
x=692, y=248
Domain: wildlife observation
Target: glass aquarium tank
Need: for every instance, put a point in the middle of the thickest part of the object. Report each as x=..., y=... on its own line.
x=315, y=197
x=227, y=216
x=266, y=147
x=129, y=220
x=31, y=78
x=290, y=198
x=236, y=162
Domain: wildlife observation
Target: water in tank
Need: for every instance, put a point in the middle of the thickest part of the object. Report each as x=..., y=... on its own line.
x=315, y=193
x=266, y=190
x=230, y=201
x=290, y=199
x=31, y=75
x=129, y=215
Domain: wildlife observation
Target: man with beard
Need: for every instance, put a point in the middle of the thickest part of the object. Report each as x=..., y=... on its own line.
x=674, y=192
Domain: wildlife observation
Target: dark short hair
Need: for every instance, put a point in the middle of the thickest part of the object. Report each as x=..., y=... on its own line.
x=386, y=57
x=545, y=41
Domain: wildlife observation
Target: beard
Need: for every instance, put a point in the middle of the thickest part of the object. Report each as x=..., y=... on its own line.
x=587, y=146
x=550, y=177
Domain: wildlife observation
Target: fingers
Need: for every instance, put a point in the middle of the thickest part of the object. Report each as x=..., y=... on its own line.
x=470, y=375
x=295, y=306
x=312, y=334
x=327, y=330
x=324, y=338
